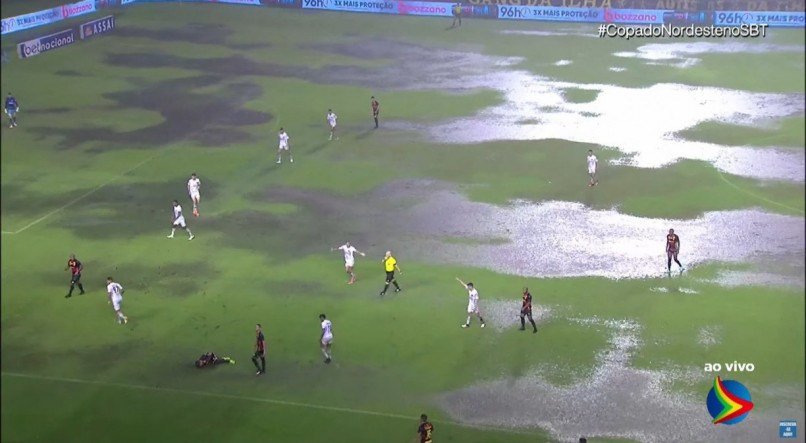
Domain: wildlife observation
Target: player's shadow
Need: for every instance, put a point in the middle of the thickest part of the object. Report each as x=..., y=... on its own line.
x=364, y=134
x=320, y=146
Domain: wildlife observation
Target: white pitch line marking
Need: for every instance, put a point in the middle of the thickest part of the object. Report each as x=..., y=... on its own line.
x=253, y=399
x=83, y=196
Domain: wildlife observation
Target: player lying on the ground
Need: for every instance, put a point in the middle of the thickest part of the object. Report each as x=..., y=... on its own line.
x=210, y=359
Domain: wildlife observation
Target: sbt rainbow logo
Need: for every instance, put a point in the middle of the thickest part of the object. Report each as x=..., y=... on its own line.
x=728, y=402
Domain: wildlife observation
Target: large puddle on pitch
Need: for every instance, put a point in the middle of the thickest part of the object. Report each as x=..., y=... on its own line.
x=648, y=410
x=640, y=122
x=684, y=54
x=435, y=222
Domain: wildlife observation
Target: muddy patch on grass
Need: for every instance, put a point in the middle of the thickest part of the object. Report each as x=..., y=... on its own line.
x=197, y=33
x=640, y=122
x=69, y=73
x=649, y=411
x=209, y=119
x=62, y=110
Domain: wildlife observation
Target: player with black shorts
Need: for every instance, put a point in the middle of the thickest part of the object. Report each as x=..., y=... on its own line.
x=390, y=265
x=210, y=359
x=526, y=311
x=672, y=249
x=260, y=350
x=75, y=268
x=456, y=10
x=376, y=109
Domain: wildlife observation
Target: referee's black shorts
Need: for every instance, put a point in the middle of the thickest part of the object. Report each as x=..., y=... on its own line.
x=390, y=275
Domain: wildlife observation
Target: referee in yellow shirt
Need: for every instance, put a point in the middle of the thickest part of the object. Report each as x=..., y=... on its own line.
x=390, y=264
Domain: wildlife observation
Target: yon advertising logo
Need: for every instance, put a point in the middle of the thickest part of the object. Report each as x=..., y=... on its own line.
x=47, y=43
x=728, y=402
x=316, y=4
x=80, y=8
x=95, y=27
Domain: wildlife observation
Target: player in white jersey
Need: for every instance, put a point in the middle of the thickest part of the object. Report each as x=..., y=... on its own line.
x=349, y=259
x=592, y=162
x=472, y=303
x=327, y=337
x=331, y=120
x=178, y=220
x=115, y=294
x=194, y=184
x=282, y=138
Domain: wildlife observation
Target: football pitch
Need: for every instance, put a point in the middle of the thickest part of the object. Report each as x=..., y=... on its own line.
x=477, y=171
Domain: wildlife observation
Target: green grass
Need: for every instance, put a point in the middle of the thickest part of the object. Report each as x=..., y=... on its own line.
x=261, y=260
x=788, y=133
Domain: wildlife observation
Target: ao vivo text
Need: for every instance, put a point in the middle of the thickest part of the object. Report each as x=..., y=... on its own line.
x=730, y=367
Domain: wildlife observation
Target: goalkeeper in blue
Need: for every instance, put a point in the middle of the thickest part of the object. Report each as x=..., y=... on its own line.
x=12, y=107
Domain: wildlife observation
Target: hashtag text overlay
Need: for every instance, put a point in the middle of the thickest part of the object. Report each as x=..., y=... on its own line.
x=613, y=30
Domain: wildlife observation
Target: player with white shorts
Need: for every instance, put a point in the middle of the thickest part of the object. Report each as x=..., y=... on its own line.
x=592, y=162
x=327, y=337
x=331, y=120
x=194, y=184
x=115, y=293
x=349, y=259
x=282, y=145
x=178, y=221
x=472, y=303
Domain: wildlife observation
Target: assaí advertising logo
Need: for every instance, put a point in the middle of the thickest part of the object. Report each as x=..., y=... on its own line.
x=728, y=402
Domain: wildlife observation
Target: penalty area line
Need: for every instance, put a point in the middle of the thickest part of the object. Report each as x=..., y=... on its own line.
x=83, y=196
x=255, y=400
x=754, y=195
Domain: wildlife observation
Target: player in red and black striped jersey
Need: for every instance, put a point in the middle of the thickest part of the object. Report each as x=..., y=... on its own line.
x=672, y=249
x=75, y=268
x=376, y=109
x=210, y=359
x=425, y=429
x=260, y=350
x=526, y=311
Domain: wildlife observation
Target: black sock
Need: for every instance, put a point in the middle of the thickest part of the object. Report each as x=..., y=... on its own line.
x=385, y=287
x=533, y=324
x=263, y=363
x=523, y=322
x=81, y=287
x=678, y=263
x=376, y=122
x=394, y=282
x=669, y=264
x=481, y=319
x=254, y=361
x=72, y=286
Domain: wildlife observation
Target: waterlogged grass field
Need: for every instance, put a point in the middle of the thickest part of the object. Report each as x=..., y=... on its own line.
x=110, y=129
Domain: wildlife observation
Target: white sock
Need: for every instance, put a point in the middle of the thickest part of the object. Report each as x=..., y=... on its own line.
x=190, y=234
x=325, y=353
x=173, y=230
x=468, y=320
